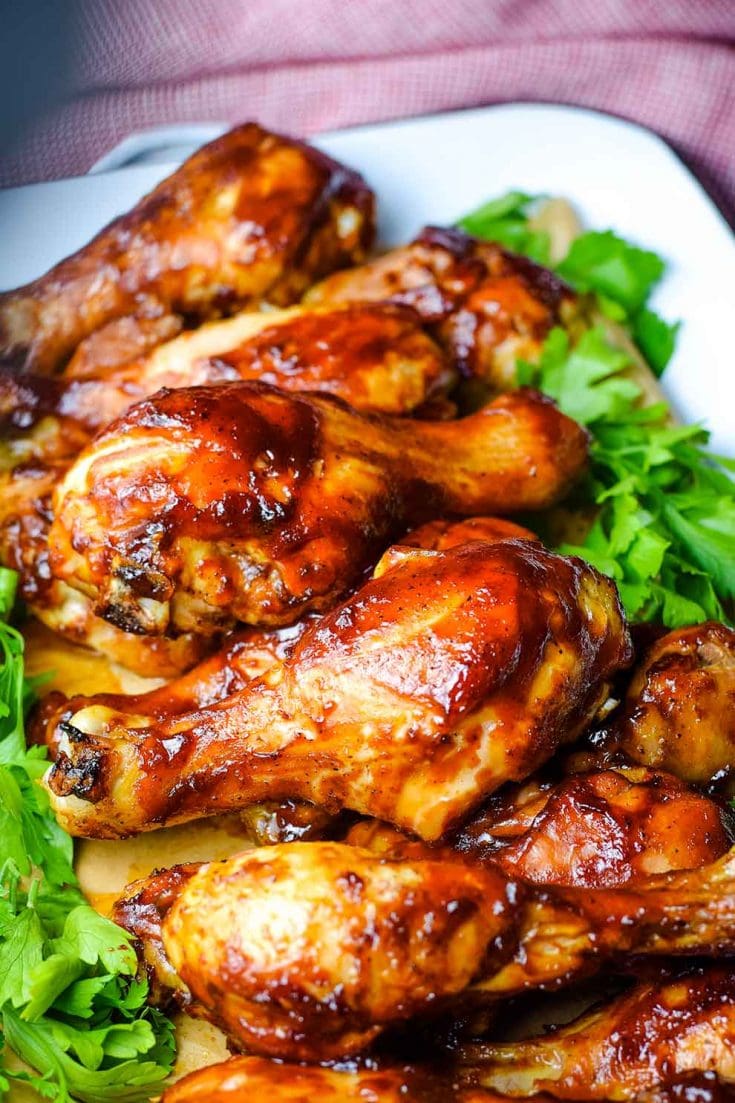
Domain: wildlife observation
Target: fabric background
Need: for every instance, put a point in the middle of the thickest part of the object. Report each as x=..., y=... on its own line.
x=321, y=64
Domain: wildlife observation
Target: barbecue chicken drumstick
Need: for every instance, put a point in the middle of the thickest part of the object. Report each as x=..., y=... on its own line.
x=248, y=653
x=205, y=506
x=244, y=1079
x=488, y=308
x=310, y=951
x=251, y=216
x=660, y=1033
x=375, y=356
x=444, y=676
x=679, y=711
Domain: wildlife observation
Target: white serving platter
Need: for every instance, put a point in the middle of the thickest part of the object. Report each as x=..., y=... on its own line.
x=436, y=168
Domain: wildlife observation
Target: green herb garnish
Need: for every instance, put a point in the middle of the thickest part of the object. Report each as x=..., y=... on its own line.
x=664, y=508
x=506, y=220
x=71, y=1003
x=623, y=277
x=665, y=526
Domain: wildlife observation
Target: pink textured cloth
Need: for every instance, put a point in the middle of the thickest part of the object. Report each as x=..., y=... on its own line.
x=308, y=65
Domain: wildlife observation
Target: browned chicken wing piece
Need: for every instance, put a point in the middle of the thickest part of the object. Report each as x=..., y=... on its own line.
x=251, y=216
x=209, y=505
x=375, y=356
x=445, y=675
x=680, y=709
x=310, y=951
x=659, y=1035
x=489, y=308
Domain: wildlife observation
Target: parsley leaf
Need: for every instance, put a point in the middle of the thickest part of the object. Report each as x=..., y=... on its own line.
x=585, y=380
x=663, y=507
x=665, y=522
x=91, y=938
x=705, y=527
x=71, y=1004
x=608, y=264
x=505, y=220
x=655, y=338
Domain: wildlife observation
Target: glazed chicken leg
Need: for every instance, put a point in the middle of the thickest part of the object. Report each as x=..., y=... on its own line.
x=444, y=676
x=488, y=308
x=247, y=655
x=208, y=505
x=659, y=1033
x=310, y=951
x=376, y=357
x=249, y=652
x=251, y=216
x=248, y=1079
x=679, y=711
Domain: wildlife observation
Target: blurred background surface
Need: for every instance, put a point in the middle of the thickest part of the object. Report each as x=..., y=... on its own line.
x=76, y=77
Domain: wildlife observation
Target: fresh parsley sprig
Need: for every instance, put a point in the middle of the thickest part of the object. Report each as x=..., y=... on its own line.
x=72, y=1006
x=665, y=522
x=506, y=220
x=663, y=507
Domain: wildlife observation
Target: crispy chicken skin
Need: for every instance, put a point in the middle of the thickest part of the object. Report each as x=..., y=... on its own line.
x=445, y=675
x=488, y=308
x=599, y=829
x=209, y=505
x=659, y=1033
x=375, y=356
x=680, y=708
x=309, y=952
x=251, y=216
